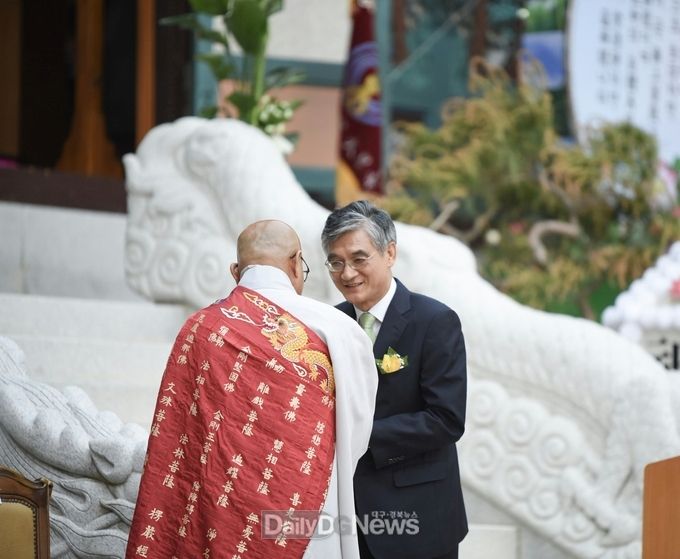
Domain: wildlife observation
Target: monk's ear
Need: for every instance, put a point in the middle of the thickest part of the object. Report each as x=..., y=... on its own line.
x=234, y=271
x=293, y=269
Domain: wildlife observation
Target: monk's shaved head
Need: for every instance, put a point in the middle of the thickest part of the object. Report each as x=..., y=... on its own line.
x=269, y=242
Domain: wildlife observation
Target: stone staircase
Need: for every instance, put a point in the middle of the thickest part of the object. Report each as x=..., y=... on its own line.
x=115, y=351
x=489, y=541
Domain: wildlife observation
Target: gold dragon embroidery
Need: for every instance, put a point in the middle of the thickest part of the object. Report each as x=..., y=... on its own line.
x=289, y=338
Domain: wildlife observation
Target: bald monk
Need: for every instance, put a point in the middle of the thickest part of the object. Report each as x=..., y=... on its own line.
x=264, y=409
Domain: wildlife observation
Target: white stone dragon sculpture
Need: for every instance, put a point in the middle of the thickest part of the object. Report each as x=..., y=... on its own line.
x=563, y=414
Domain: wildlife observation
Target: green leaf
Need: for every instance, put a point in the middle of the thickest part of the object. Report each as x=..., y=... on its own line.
x=279, y=77
x=213, y=36
x=244, y=103
x=210, y=7
x=248, y=24
x=272, y=6
x=219, y=66
x=186, y=21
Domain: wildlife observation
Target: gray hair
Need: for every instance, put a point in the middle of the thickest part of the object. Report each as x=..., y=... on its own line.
x=359, y=215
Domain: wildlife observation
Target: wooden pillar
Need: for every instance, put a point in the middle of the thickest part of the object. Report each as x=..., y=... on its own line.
x=87, y=149
x=146, y=68
x=479, y=30
x=10, y=99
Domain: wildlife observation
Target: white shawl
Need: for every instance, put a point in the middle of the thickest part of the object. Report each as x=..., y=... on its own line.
x=356, y=382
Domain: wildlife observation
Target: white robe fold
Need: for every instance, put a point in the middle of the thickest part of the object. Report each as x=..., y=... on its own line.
x=356, y=382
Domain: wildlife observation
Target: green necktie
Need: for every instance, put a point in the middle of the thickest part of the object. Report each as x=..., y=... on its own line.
x=366, y=321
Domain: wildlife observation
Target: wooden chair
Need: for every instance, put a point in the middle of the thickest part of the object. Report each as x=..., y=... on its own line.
x=24, y=516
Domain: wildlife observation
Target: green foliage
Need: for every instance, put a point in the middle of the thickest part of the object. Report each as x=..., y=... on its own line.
x=552, y=224
x=546, y=15
x=246, y=24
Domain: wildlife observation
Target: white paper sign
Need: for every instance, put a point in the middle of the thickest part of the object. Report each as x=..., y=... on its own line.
x=624, y=65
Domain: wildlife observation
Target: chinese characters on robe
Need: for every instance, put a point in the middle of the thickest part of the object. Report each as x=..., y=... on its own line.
x=244, y=423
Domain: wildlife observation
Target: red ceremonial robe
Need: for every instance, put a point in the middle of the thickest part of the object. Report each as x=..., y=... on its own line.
x=244, y=423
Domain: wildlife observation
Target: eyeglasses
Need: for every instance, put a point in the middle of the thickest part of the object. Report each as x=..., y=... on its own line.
x=305, y=266
x=357, y=263
x=305, y=269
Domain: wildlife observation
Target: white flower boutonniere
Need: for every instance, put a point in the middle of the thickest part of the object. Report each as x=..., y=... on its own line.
x=391, y=362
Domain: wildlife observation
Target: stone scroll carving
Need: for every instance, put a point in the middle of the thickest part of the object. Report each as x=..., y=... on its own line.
x=93, y=460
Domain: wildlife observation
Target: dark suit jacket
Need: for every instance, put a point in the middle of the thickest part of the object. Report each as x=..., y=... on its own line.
x=411, y=465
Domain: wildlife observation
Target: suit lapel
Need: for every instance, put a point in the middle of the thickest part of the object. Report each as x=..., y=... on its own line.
x=396, y=319
x=348, y=309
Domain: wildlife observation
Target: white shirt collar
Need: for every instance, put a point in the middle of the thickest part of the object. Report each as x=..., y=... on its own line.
x=380, y=308
x=260, y=276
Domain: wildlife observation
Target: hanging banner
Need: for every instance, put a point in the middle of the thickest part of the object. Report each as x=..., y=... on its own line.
x=359, y=169
x=624, y=65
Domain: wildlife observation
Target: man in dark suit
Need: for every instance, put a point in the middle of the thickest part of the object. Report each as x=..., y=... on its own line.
x=410, y=471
